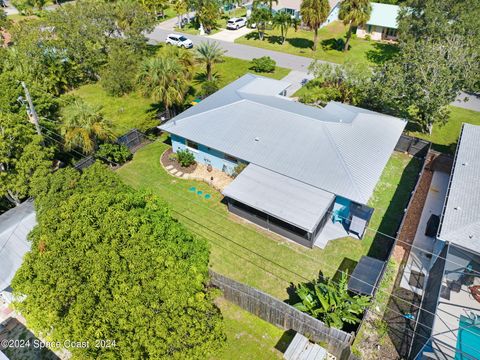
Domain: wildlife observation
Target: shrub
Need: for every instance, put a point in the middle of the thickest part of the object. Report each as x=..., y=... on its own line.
x=119, y=154
x=368, y=37
x=263, y=64
x=238, y=169
x=185, y=158
x=209, y=87
x=173, y=157
x=118, y=75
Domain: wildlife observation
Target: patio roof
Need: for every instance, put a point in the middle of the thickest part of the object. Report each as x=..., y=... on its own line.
x=280, y=196
x=15, y=224
x=460, y=223
x=384, y=15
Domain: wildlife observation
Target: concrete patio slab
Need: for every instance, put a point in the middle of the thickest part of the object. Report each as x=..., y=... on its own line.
x=231, y=35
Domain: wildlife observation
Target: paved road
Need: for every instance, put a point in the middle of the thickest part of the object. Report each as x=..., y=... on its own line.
x=241, y=51
x=473, y=102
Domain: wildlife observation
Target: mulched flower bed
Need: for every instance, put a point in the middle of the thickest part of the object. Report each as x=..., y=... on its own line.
x=166, y=162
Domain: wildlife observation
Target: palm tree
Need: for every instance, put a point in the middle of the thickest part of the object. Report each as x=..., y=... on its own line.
x=282, y=20
x=209, y=53
x=164, y=79
x=314, y=14
x=354, y=13
x=83, y=125
x=260, y=17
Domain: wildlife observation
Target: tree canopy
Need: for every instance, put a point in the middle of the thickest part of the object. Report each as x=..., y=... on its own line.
x=110, y=263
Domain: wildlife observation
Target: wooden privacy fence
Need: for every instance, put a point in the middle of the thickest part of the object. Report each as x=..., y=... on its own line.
x=283, y=315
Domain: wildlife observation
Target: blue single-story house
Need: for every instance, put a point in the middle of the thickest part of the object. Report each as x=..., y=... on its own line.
x=305, y=165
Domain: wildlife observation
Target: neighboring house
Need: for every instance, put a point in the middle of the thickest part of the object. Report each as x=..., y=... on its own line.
x=15, y=224
x=306, y=165
x=382, y=24
x=449, y=325
x=292, y=7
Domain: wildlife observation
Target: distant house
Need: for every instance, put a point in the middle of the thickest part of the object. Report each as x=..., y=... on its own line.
x=292, y=7
x=310, y=172
x=449, y=324
x=15, y=224
x=382, y=24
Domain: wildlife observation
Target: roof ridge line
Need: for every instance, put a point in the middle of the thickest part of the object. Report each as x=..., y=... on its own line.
x=343, y=162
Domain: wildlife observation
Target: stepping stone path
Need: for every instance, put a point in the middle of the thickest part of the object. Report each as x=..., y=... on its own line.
x=169, y=167
x=173, y=171
x=179, y=174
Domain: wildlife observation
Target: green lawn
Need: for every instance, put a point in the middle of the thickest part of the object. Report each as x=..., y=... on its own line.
x=444, y=138
x=135, y=111
x=248, y=336
x=301, y=42
x=259, y=258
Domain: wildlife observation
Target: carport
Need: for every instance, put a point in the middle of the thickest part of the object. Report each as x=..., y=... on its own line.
x=289, y=207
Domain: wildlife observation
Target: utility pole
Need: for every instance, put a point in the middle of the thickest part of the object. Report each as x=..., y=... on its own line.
x=32, y=114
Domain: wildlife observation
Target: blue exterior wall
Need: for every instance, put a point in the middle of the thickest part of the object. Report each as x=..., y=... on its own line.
x=204, y=155
x=343, y=205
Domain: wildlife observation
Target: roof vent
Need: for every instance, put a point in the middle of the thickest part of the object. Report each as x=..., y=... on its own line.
x=465, y=163
x=457, y=208
x=257, y=139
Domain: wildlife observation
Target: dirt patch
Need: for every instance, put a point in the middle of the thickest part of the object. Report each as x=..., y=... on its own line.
x=168, y=161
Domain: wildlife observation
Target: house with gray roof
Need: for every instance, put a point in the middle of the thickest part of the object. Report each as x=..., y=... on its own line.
x=304, y=163
x=449, y=325
x=15, y=225
x=382, y=24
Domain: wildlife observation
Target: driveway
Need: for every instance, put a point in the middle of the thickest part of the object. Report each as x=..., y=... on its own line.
x=472, y=103
x=231, y=35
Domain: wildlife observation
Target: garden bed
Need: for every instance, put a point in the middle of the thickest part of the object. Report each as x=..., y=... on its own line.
x=170, y=164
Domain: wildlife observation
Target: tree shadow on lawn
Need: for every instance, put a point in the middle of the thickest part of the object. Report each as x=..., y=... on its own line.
x=382, y=52
x=297, y=42
x=334, y=44
x=383, y=241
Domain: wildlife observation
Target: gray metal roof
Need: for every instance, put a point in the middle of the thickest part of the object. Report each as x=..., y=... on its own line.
x=285, y=198
x=341, y=149
x=15, y=224
x=461, y=214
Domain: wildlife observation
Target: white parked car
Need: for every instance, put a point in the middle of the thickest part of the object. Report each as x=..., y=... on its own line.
x=236, y=23
x=179, y=40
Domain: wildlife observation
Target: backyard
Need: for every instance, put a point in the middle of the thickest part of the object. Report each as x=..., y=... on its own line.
x=257, y=257
x=135, y=111
x=330, y=40
x=444, y=137
x=248, y=336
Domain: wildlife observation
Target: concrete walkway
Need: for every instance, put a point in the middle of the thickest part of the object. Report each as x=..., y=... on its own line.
x=230, y=35
x=297, y=79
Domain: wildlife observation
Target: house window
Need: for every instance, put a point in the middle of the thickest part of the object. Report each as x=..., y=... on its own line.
x=230, y=158
x=192, y=145
x=391, y=32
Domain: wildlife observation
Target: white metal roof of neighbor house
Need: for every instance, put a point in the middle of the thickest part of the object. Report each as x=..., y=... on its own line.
x=384, y=15
x=15, y=224
x=341, y=149
x=461, y=215
x=285, y=198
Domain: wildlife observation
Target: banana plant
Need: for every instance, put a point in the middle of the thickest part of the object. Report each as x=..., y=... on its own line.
x=331, y=302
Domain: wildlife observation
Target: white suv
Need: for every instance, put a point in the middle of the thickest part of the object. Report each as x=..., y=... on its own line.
x=179, y=40
x=236, y=23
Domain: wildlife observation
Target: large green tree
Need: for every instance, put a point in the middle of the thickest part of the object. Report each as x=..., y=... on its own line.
x=209, y=53
x=314, y=14
x=207, y=13
x=109, y=263
x=260, y=17
x=354, y=13
x=22, y=157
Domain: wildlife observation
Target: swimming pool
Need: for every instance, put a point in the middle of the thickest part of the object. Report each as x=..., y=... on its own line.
x=468, y=338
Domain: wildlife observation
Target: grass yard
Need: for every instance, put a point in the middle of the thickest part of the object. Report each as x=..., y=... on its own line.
x=301, y=43
x=135, y=111
x=257, y=257
x=444, y=138
x=248, y=336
